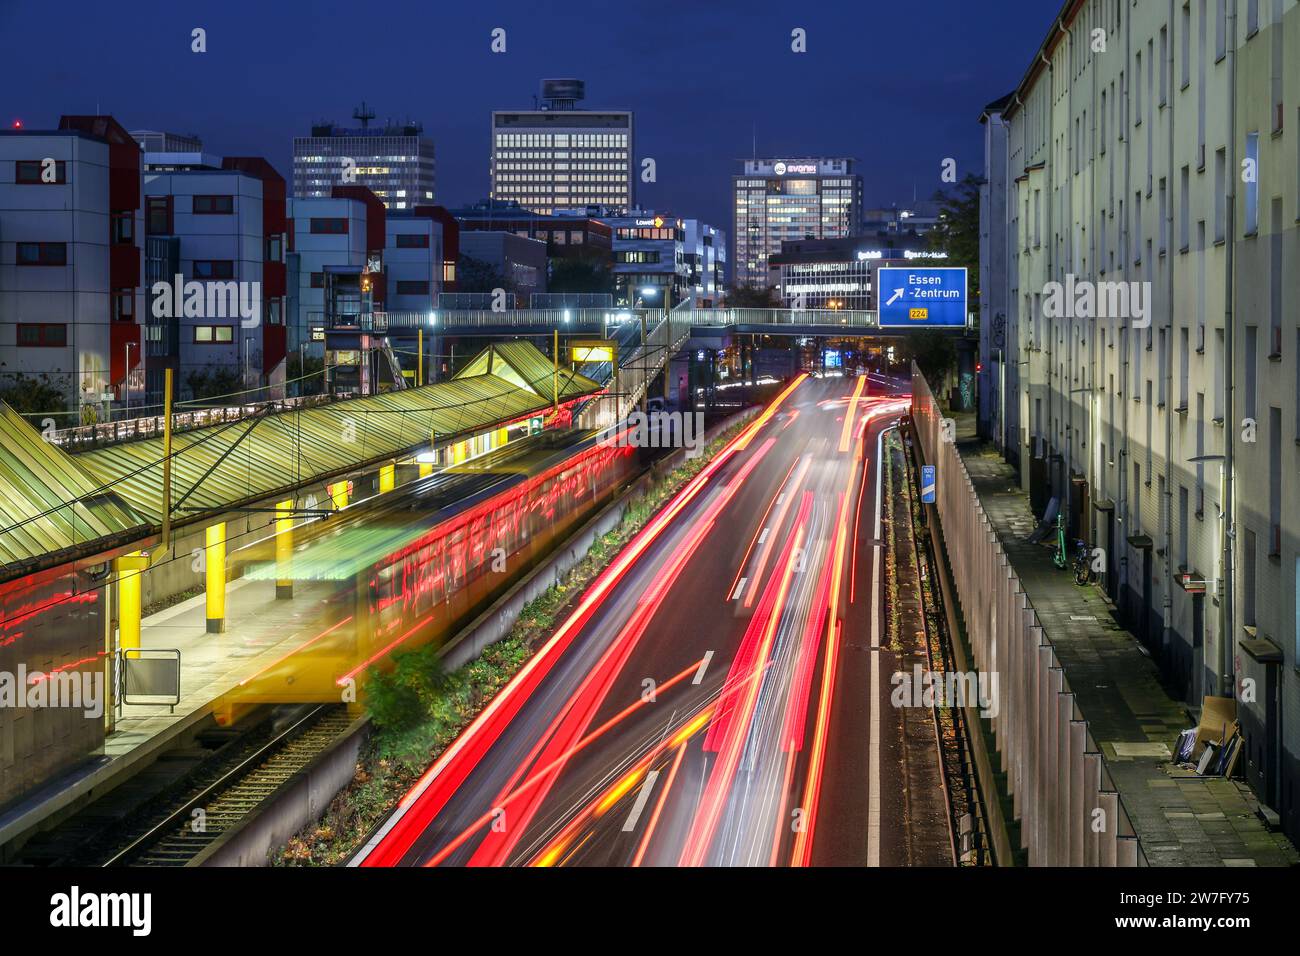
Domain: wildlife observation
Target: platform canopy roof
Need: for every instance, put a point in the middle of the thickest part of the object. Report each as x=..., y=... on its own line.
x=51, y=509
x=234, y=464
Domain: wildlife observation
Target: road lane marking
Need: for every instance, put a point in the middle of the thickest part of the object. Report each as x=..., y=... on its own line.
x=739, y=589
x=763, y=537
x=873, y=773
x=642, y=798
x=704, y=665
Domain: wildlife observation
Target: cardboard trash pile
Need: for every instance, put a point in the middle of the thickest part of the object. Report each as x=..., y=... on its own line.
x=1213, y=747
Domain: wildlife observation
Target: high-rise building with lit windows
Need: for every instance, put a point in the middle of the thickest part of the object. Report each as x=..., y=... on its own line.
x=561, y=157
x=780, y=200
x=395, y=161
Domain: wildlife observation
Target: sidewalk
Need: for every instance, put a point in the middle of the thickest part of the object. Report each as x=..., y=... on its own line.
x=1180, y=819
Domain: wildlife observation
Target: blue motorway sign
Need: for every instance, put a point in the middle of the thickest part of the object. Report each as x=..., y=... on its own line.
x=921, y=297
x=927, y=484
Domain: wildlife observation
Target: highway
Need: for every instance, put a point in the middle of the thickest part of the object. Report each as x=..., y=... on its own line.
x=718, y=696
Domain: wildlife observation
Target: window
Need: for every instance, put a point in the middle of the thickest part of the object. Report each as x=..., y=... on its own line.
x=213, y=269
x=1164, y=60
x=1185, y=34
x=318, y=280
x=214, y=205
x=332, y=227
x=1185, y=209
x=411, y=287
x=412, y=240
x=42, y=335
x=214, y=334
x=39, y=172
x=1220, y=29
x=124, y=305
x=158, y=215
x=123, y=228
x=1220, y=193
x=42, y=253
x=1251, y=170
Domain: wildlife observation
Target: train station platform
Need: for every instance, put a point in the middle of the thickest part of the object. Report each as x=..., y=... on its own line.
x=261, y=631
x=1181, y=819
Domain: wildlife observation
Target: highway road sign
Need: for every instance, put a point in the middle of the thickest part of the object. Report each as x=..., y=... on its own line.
x=921, y=298
x=927, y=484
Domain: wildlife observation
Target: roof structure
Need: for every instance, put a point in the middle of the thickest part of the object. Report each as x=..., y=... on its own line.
x=238, y=463
x=49, y=506
x=54, y=506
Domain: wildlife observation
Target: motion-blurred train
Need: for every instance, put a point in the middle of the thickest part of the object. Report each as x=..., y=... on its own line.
x=413, y=566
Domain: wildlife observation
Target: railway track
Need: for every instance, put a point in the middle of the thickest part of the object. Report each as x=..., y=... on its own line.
x=234, y=796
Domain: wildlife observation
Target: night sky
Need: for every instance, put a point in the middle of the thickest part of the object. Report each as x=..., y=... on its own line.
x=899, y=86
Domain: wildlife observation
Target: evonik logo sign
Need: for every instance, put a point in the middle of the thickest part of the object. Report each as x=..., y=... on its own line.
x=208, y=300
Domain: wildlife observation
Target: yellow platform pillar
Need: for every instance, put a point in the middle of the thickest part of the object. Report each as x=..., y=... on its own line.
x=129, y=568
x=426, y=469
x=387, y=478
x=339, y=494
x=215, y=586
x=283, y=550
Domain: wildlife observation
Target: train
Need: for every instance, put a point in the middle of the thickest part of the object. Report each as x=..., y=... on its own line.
x=413, y=567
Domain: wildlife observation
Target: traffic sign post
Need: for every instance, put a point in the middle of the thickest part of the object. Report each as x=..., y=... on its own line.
x=921, y=298
x=927, y=484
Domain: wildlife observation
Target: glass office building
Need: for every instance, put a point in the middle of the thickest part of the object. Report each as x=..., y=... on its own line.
x=781, y=200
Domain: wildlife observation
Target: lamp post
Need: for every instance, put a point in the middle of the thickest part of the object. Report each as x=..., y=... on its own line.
x=648, y=292
x=126, y=380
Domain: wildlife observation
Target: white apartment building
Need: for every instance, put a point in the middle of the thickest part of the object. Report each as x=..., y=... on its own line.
x=413, y=258
x=70, y=262
x=1154, y=143
x=230, y=223
x=328, y=232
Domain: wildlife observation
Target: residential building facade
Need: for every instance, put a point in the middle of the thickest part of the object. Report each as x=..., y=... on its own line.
x=70, y=262
x=1147, y=212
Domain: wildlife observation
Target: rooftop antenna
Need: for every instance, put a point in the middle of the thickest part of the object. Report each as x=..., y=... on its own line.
x=364, y=114
x=754, y=139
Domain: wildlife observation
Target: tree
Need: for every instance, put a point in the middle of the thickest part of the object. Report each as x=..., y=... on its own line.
x=309, y=374
x=958, y=230
x=29, y=395
x=753, y=297
x=933, y=352
x=579, y=275
x=217, y=382
x=475, y=275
